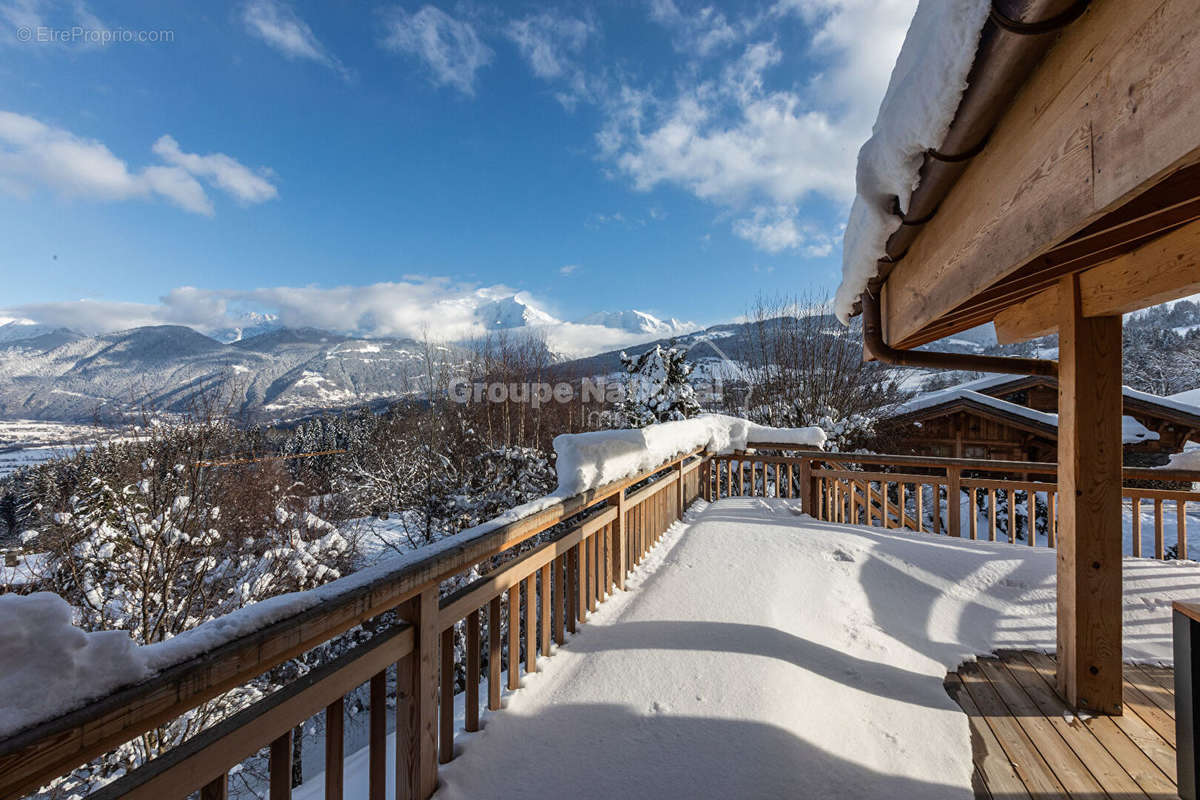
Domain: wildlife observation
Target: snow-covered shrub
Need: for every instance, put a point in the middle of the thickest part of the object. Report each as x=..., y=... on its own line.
x=658, y=388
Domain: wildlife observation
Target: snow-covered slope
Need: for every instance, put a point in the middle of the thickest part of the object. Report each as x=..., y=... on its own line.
x=636, y=321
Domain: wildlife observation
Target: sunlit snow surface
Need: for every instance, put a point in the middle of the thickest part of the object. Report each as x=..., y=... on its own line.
x=760, y=653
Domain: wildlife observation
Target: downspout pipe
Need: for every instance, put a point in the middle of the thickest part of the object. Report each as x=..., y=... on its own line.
x=878, y=349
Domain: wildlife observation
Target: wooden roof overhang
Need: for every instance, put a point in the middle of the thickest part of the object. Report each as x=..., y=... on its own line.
x=1131, y=403
x=956, y=404
x=1092, y=168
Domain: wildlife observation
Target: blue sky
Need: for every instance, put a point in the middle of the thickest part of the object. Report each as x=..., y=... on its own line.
x=393, y=164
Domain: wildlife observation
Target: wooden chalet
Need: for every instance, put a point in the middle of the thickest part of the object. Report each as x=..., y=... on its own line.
x=1014, y=417
x=1066, y=193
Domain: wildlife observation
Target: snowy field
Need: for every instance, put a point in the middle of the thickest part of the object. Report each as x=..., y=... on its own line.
x=760, y=653
x=26, y=442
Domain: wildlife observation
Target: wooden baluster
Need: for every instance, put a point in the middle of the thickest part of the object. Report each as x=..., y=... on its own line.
x=1136, y=503
x=973, y=510
x=514, y=637
x=884, y=489
x=991, y=514
x=446, y=702
x=854, y=503
x=1181, y=529
x=335, y=743
x=218, y=789
x=494, y=655
x=471, y=721
x=280, y=768
x=376, y=739
x=619, y=530
x=1159, y=544
x=559, y=598
x=1031, y=515
x=581, y=583
x=741, y=472
x=531, y=643
x=920, y=487
x=953, y=502
x=569, y=586
x=544, y=617
x=593, y=572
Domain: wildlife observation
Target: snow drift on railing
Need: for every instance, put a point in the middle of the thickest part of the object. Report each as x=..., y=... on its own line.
x=588, y=460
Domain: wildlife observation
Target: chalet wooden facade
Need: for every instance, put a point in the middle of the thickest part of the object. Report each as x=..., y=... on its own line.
x=1015, y=418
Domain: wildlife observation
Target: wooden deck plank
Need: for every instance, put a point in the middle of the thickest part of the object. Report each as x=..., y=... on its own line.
x=1151, y=688
x=1026, y=742
x=1029, y=764
x=1149, y=778
x=1035, y=698
x=991, y=763
x=1132, y=725
x=1067, y=766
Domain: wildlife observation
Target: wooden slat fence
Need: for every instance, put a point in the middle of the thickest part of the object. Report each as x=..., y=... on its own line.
x=993, y=500
x=519, y=611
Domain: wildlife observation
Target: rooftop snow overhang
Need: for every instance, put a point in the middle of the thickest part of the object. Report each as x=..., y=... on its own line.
x=1073, y=149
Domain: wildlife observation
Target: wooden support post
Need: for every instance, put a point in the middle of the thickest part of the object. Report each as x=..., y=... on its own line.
x=218, y=789
x=544, y=616
x=808, y=489
x=280, y=767
x=377, y=739
x=471, y=721
x=417, y=698
x=953, y=502
x=1186, y=644
x=1089, y=482
x=445, y=700
x=494, y=654
x=514, y=637
x=619, y=540
x=679, y=490
x=335, y=720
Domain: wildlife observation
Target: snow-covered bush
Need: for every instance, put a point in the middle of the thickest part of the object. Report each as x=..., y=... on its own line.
x=658, y=388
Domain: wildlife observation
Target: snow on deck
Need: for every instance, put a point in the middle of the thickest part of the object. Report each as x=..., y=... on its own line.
x=761, y=653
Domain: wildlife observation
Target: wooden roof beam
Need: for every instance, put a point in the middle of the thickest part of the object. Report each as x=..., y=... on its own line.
x=1165, y=269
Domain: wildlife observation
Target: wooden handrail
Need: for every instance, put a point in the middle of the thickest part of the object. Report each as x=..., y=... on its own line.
x=31, y=757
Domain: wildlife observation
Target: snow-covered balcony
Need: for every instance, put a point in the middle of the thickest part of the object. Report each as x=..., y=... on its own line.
x=703, y=609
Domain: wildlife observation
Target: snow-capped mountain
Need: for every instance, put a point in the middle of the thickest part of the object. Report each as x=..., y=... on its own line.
x=507, y=313
x=636, y=321
x=246, y=326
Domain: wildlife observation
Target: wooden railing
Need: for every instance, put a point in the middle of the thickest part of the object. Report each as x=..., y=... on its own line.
x=601, y=536
x=935, y=494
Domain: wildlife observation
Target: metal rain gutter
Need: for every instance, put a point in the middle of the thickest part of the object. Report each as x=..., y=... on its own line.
x=877, y=348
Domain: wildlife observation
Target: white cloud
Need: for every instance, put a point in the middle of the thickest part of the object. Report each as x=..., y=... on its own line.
x=412, y=307
x=551, y=45
x=701, y=32
x=737, y=141
x=227, y=173
x=34, y=14
x=775, y=229
x=279, y=26
x=450, y=48
x=568, y=269
x=33, y=153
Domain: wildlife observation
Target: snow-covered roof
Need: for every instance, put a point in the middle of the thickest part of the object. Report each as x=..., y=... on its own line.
x=1132, y=431
x=922, y=97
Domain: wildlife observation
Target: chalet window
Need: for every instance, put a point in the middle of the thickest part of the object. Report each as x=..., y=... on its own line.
x=975, y=451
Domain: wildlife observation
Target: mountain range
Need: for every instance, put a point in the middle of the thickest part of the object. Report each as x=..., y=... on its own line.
x=265, y=368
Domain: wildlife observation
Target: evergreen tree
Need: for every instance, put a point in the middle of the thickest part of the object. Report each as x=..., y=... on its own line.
x=658, y=388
